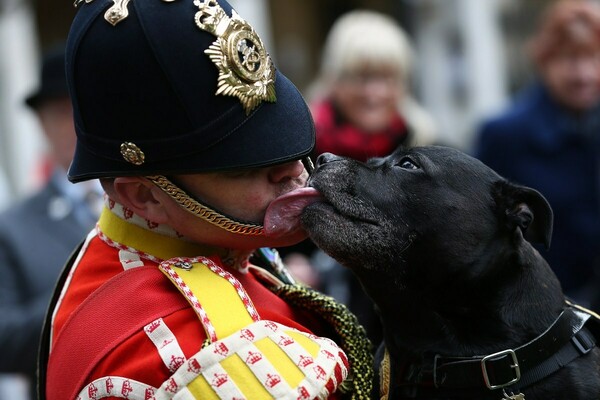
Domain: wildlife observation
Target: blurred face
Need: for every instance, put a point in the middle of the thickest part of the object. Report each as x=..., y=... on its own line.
x=56, y=117
x=572, y=75
x=244, y=195
x=368, y=97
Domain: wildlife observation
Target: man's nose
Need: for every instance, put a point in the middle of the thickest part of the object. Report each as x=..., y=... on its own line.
x=283, y=172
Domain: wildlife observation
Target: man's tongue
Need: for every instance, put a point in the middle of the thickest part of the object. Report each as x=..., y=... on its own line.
x=283, y=214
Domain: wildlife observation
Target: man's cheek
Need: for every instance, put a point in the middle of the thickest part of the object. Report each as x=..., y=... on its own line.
x=253, y=206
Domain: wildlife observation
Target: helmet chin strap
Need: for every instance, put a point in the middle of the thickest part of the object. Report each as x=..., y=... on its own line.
x=208, y=213
x=308, y=164
x=203, y=211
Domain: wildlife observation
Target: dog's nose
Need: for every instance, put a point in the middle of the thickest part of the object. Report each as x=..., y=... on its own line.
x=326, y=158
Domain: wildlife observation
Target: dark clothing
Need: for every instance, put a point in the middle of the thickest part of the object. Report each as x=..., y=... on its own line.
x=540, y=144
x=36, y=238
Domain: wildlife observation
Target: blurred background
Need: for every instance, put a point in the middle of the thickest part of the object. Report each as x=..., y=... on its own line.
x=469, y=61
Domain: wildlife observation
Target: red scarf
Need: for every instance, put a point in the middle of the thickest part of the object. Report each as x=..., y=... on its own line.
x=338, y=136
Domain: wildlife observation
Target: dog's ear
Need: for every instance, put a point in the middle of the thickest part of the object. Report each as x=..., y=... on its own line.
x=527, y=210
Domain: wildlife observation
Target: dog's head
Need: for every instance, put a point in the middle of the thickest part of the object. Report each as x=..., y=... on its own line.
x=406, y=215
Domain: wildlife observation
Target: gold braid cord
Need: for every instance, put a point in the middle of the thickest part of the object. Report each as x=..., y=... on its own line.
x=385, y=376
x=353, y=337
x=202, y=211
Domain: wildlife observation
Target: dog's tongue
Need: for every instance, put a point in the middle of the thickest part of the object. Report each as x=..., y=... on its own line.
x=283, y=214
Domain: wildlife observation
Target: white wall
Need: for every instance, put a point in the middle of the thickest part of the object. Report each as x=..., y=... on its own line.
x=461, y=64
x=21, y=141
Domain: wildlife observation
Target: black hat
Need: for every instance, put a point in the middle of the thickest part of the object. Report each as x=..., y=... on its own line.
x=52, y=83
x=177, y=87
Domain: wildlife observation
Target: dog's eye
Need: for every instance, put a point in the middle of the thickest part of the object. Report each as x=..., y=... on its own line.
x=407, y=163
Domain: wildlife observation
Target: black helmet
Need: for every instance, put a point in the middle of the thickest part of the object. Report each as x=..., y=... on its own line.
x=162, y=87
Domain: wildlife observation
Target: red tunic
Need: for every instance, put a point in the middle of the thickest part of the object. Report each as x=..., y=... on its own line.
x=125, y=242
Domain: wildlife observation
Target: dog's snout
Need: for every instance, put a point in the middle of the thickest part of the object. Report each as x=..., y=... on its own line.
x=326, y=158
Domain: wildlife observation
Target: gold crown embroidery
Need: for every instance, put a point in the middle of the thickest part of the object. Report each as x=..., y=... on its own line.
x=245, y=68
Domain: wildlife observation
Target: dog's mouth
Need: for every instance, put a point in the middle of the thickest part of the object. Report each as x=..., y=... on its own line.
x=283, y=214
x=346, y=207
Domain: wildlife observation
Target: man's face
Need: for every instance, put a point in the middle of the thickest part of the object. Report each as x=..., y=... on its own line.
x=56, y=118
x=573, y=76
x=244, y=195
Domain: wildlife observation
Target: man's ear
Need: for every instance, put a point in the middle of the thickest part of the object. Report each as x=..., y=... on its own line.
x=525, y=209
x=142, y=197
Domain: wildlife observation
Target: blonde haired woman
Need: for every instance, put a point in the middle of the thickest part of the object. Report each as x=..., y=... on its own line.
x=360, y=100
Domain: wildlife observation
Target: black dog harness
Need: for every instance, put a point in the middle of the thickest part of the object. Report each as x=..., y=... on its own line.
x=509, y=370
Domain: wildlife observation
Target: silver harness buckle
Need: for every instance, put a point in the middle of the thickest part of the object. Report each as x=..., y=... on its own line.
x=496, y=356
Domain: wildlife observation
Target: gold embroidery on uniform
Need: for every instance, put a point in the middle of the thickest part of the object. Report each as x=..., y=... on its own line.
x=352, y=335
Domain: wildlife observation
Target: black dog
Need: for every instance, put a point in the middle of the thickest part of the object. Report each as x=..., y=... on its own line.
x=470, y=309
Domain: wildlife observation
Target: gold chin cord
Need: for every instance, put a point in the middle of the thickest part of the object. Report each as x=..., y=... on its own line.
x=202, y=211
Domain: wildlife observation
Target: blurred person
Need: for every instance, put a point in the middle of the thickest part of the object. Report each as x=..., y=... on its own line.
x=38, y=233
x=363, y=108
x=200, y=145
x=361, y=99
x=4, y=191
x=302, y=270
x=549, y=139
